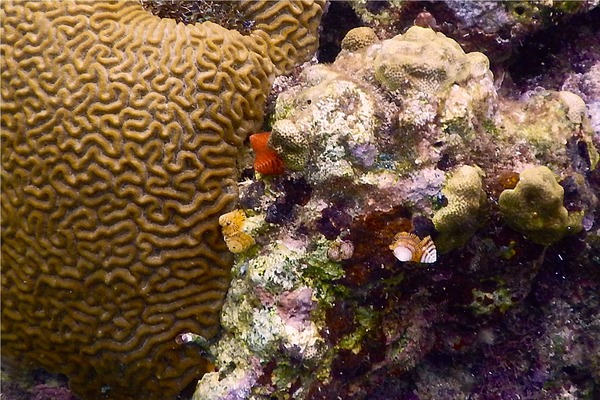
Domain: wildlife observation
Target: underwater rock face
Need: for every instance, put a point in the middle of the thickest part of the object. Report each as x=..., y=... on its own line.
x=492, y=27
x=384, y=163
x=120, y=133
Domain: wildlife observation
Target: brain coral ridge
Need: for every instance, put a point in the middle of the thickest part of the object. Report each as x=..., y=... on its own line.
x=120, y=132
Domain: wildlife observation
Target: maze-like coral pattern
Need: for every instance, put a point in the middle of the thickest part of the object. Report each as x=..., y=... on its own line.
x=119, y=138
x=289, y=27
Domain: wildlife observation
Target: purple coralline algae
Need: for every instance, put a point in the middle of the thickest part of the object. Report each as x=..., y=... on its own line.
x=409, y=135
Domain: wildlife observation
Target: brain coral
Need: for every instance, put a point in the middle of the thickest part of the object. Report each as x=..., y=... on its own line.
x=119, y=137
x=535, y=207
x=288, y=26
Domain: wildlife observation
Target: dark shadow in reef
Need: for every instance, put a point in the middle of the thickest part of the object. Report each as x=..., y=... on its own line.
x=338, y=20
x=565, y=46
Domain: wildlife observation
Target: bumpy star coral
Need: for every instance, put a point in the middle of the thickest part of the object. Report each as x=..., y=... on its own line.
x=459, y=220
x=359, y=38
x=535, y=207
x=422, y=60
x=120, y=132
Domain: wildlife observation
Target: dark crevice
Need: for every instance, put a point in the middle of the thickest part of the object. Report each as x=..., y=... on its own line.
x=338, y=20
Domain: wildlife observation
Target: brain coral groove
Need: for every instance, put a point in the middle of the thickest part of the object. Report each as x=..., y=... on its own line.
x=120, y=132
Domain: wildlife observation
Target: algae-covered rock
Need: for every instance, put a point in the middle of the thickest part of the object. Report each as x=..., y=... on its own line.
x=535, y=207
x=328, y=125
x=320, y=307
x=349, y=115
x=545, y=122
x=292, y=144
x=435, y=80
x=459, y=220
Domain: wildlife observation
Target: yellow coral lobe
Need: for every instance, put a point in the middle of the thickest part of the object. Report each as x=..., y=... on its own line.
x=409, y=247
x=232, y=223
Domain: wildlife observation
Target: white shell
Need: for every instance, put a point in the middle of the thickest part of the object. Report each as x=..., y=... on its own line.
x=403, y=253
x=428, y=251
x=409, y=247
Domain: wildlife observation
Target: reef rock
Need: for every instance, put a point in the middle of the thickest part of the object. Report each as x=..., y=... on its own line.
x=494, y=27
x=383, y=145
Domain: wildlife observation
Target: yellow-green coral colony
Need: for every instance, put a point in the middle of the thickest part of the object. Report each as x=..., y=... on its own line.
x=460, y=218
x=535, y=207
x=422, y=60
x=359, y=38
x=120, y=132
